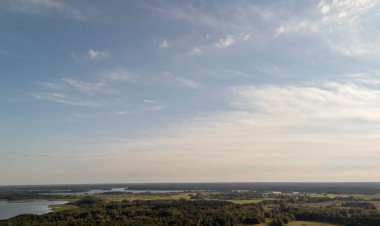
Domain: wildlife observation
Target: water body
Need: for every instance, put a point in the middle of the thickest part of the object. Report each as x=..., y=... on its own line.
x=92, y=192
x=153, y=191
x=14, y=208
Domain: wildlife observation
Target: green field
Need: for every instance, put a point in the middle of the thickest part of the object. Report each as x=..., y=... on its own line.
x=57, y=208
x=249, y=201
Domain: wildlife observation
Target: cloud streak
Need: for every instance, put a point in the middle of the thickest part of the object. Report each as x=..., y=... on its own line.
x=43, y=7
x=109, y=86
x=63, y=98
x=164, y=78
x=226, y=18
x=85, y=87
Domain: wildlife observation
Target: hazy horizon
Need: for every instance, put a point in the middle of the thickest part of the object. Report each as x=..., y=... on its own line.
x=189, y=91
x=201, y=183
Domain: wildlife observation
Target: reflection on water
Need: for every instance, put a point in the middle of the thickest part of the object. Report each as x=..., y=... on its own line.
x=11, y=209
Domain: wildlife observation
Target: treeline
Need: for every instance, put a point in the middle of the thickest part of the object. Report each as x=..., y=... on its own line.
x=94, y=211
x=23, y=195
x=227, y=195
x=181, y=212
x=354, y=216
x=333, y=188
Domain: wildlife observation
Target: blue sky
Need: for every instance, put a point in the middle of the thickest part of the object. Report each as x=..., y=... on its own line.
x=169, y=91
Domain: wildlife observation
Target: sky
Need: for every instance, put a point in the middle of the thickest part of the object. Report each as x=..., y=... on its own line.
x=189, y=91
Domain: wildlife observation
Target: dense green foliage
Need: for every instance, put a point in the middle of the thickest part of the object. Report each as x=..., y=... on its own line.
x=348, y=217
x=210, y=207
x=181, y=212
x=95, y=211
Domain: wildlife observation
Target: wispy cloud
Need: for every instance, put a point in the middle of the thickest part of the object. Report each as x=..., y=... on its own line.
x=51, y=85
x=164, y=78
x=84, y=87
x=340, y=25
x=277, y=125
x=63, y=98
x=328, y=101
x=96, y=54
x=226, y=18
x=292, y=28
x=164, y=44
x=109, y=85
x=182, y=81
x=75, y=85
x=122, y=76
x=43, y=7
x=73, y=92
x=229, y=40
x=196, y=51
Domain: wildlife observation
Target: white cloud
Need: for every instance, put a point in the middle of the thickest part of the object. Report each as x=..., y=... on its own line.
x=325, y=8
x=247, y=37
x=164, y=44
x=272, y=132
x=342, y=25
x=353, y=7
x=225, y=42
x=196, y=51
x=328, y=101
x=292, y=28
x=164, y=78
x=96, y=54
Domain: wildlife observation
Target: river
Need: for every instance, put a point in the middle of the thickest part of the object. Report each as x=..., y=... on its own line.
x=10, y=209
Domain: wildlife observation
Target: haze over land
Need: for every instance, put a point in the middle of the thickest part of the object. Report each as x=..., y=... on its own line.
x=181, y=91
